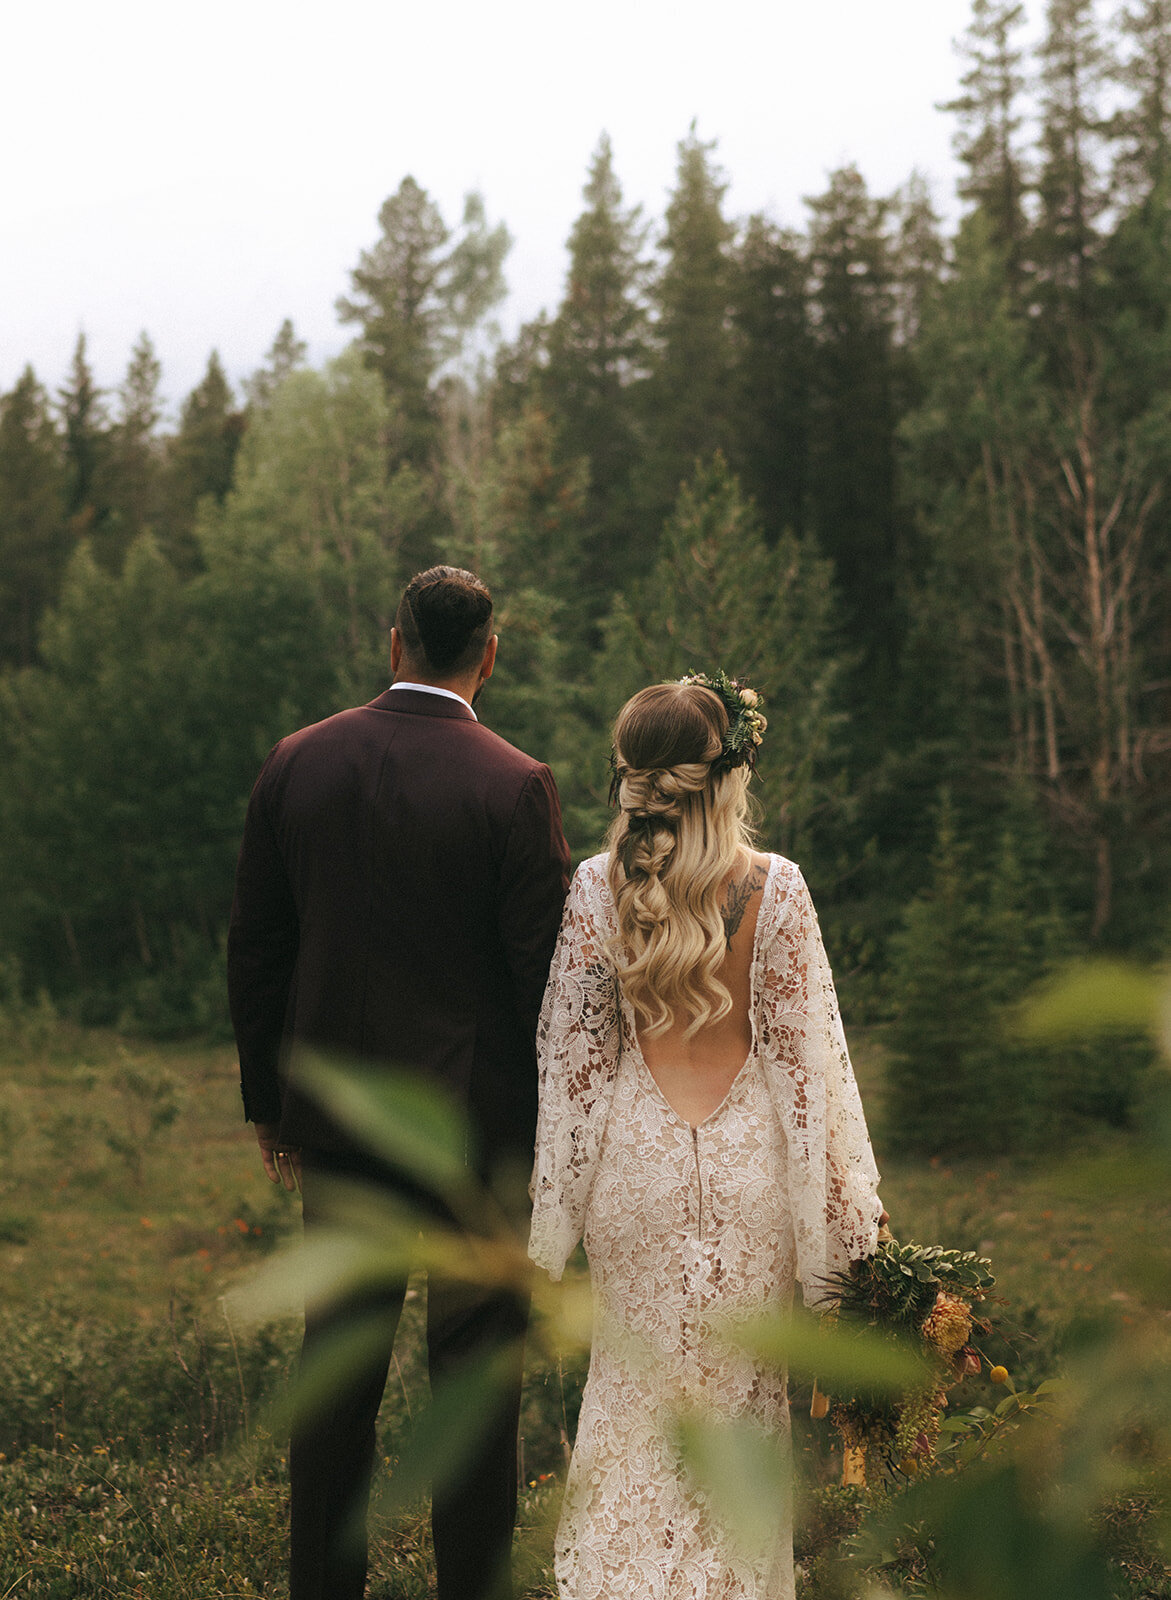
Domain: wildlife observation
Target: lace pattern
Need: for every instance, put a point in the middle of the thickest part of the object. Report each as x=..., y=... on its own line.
x=585, y=1027
x=578, y=1049
x=683, y=1228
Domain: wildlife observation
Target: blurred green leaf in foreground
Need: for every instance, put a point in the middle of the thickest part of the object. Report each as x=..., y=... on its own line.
x=1012, y=1510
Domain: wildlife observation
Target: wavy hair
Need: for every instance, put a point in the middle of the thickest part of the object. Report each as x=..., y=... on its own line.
x=680, y=830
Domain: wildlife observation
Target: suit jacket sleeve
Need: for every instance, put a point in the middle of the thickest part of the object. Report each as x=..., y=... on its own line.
x=534, y=879
x=263, y=938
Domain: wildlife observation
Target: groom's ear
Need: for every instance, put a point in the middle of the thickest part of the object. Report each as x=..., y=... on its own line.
x=489, y=660
x=396, y=649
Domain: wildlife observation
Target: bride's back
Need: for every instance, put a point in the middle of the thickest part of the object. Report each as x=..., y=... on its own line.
x=687, y=891
x=695, y=1072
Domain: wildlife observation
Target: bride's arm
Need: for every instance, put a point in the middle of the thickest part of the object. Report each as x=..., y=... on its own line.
x=578, y=1046
x=833, y=1181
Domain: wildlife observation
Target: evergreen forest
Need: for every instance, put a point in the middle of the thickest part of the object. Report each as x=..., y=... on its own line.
x=911, y=481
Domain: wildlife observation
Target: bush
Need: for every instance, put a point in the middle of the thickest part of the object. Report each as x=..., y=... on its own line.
x=78, y=1524
x=960, y=1078
x=81, y=1385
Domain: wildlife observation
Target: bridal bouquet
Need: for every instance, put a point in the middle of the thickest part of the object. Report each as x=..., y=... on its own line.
x=923, y=1296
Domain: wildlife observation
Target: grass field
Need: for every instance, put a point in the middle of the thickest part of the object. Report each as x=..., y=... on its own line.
x=137, y=1453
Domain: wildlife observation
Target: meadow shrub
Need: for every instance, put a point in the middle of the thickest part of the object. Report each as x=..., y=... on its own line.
x=71, y=1381
x=77, y=1524
x=960, y=1078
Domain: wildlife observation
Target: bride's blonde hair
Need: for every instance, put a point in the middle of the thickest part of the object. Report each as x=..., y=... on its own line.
x=681, y=829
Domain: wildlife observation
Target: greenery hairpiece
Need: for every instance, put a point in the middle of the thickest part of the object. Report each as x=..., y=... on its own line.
x=746, y=722
x=746, y=725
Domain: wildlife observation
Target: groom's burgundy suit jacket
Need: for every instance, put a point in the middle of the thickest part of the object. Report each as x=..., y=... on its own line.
x=398, y=895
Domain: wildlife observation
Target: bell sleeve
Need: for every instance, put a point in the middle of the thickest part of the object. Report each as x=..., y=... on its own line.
x=833, y=1181
x=578, y=1049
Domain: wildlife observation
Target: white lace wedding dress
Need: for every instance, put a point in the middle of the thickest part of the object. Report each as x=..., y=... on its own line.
x=683, y=1225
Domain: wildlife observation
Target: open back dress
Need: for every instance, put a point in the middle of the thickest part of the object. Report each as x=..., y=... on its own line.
x=686, y=1227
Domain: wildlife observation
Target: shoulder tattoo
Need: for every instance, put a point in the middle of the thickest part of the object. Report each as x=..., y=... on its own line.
x=736, y=900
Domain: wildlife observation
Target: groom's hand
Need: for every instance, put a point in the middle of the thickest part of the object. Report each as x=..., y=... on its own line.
x=281, y=1164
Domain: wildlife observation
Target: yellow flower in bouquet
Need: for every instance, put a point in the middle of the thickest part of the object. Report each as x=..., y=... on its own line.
x=921, y=1295
x=949, y=1327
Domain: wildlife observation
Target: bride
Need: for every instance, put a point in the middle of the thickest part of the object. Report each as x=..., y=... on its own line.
x=700, y=1129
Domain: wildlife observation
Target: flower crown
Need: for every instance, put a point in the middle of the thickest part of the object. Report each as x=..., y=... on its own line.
x=745, y=731
x=746, y=722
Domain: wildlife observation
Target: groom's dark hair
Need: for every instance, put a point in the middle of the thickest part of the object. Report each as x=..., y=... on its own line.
x=445, y=620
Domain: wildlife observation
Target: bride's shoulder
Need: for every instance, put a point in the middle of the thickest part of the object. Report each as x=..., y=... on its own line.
x=590, y=901
x=591, y=880
x=785, y=884
x=777, y=866
x=593, y=870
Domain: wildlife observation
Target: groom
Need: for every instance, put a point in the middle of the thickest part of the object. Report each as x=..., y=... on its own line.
x=398, y=895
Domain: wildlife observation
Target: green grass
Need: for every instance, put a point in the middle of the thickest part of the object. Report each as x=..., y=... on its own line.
x=136, y=1448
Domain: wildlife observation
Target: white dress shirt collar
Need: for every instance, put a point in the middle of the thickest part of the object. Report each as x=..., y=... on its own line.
x=432, y=688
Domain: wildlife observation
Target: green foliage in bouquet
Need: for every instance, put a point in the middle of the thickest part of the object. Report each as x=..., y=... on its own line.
x=922, y=1296
x=896, y=1287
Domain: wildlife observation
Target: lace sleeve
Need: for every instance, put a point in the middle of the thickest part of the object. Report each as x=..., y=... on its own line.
x=578, y=1046
x=833, y=1181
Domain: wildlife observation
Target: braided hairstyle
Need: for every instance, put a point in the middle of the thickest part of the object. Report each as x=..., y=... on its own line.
x=680, y=830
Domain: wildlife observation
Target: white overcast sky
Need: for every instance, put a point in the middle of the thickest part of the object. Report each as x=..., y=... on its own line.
x=203, y=171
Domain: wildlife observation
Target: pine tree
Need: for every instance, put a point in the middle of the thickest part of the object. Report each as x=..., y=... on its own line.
x=942, y=1010
x=519, y=525
x=1136, y=257
x=1071, y=187
x=518, y=370
x=597, y=353
x=134, y=469
x=686, y=398
x=970, y=445
x=990, y=117
x=1038, y=507
x=855, y=513
x=286, y=354
x=962, y=1077
x=418, y=296
x=1142, y=167
x=201, y=462
x=522, y=517
x=772, y=374
x=918, y=255
x=84, y=423
x=34, y=538
x=720, y=596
